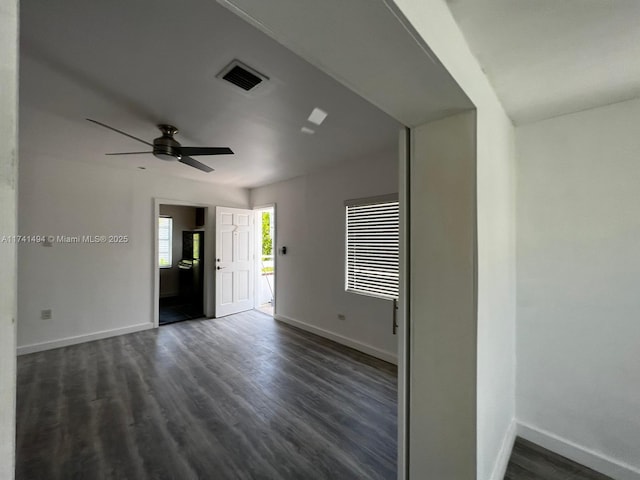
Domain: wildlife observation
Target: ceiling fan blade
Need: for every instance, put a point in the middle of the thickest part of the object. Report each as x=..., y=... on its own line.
x=127, y=153
x=119, y=131
x=206, y=151
x=196, y=164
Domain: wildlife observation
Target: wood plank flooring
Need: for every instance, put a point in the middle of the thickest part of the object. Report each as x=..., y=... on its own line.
x=531, y=462
x=236, y=398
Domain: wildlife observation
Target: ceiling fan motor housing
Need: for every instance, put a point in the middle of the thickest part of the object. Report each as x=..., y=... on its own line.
x=165, y=147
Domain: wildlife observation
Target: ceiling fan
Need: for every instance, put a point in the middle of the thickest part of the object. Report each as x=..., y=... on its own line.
x=167, y=148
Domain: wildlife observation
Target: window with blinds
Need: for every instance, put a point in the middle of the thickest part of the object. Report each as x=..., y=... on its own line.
x=372, y=250
x=165, y=234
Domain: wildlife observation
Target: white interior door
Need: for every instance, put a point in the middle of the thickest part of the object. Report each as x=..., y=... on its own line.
x=234, y=260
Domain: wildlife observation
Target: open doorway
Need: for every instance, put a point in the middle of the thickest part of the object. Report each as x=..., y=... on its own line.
x=181, y=241
x=265, y=221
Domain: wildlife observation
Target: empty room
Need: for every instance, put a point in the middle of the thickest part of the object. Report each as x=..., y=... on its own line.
x=372, y=239
x=143, y=356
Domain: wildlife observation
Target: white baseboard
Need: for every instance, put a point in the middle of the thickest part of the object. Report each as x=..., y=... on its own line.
x=594, y=460
x=361, y=347
x=502, y=461
x=65, y=342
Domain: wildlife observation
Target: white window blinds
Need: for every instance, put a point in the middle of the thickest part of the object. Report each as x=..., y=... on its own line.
x=372, y=250
x=165, y=227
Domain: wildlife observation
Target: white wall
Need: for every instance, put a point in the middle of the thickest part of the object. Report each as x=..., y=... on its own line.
x=443, y=300
x=433, y=21
x=8, y=181
x=578, y=277
x=184, y=218
x=93, y=288
x=310, y=220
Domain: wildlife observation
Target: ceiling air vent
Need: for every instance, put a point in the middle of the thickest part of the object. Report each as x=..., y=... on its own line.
x=242, y=76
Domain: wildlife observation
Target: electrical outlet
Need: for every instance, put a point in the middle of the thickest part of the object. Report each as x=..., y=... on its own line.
x=342, y=316
x=45, y=314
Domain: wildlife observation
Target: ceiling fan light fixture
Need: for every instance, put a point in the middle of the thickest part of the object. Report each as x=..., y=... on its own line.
x=166, y=147
x=166, y=156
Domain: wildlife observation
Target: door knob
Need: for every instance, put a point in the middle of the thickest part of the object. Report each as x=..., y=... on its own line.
x=220, y=268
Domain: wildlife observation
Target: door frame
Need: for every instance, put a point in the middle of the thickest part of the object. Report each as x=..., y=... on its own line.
x=403, y=306
x=208, y=255
x=258, y=244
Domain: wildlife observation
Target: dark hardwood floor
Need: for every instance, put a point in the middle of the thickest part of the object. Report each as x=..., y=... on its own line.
x=241, y=397
x=531, y=462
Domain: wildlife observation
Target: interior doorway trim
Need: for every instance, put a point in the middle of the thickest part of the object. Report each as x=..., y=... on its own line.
x=208, y=255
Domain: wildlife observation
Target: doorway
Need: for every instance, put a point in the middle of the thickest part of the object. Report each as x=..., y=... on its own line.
x=181, y=256
x=265, y=221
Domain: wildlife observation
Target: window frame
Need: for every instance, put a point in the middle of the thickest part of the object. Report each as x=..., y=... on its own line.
x=363, y=202
x=170, y=242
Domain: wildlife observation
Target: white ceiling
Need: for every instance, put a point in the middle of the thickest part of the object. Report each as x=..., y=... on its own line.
x=135, y=64
x=388, y=62
x=551, y=57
